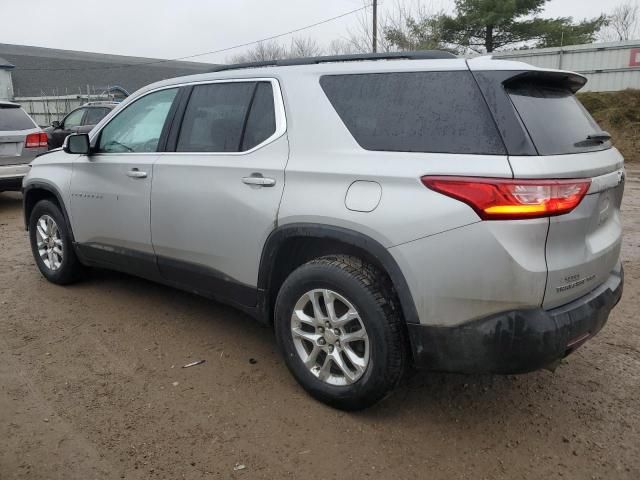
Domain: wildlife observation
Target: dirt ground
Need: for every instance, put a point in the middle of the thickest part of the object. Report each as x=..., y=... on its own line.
x=91, y=388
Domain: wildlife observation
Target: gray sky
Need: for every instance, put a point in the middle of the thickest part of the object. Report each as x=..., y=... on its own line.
x=176, y=28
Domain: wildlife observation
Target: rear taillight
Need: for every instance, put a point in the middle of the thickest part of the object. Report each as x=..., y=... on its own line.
x=36, y=140
x=507, y=199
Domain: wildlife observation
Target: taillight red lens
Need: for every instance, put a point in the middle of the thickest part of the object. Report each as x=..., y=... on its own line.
x=36, y=140
x=507, y=199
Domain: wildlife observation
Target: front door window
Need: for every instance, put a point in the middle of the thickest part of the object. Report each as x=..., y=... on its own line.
x=139, y=126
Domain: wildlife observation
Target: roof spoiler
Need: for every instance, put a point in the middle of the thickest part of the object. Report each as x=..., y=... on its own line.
x=556, y=78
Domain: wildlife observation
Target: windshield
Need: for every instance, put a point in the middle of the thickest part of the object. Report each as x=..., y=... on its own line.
x=555, y=119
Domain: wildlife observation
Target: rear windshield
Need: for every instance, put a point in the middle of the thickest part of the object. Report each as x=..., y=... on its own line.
x=439, y=112
x=14, y=118
x=555, y=119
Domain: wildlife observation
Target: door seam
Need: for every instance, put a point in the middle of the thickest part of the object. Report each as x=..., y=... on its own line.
x=546, y=262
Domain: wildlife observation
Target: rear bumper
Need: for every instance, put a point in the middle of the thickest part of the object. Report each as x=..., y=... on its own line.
x=518, y=341
x=11, y=176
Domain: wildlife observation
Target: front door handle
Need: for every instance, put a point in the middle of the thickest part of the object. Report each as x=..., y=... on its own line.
x=259, y=180
x=135, y=173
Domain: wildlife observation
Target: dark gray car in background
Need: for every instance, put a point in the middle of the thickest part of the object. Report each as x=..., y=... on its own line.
x=80, y=120
x=21, y=140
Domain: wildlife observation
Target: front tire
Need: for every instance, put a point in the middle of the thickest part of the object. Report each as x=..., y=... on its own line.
x=51, y=244
x=341, y=332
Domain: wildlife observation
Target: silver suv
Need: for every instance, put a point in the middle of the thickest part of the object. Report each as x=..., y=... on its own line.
x=377, y=211
x=21, y=140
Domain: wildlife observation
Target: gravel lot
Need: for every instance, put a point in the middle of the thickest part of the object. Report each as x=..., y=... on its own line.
x=91, y=388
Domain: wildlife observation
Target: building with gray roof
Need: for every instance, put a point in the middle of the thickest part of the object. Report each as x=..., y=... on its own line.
x=48, y=71
x=38, y=77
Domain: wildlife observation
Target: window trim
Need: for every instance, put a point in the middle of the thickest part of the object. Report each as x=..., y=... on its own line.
x=278, y=100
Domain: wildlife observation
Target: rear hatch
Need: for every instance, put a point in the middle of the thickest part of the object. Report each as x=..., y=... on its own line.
x=15, y=125
x=583, y=246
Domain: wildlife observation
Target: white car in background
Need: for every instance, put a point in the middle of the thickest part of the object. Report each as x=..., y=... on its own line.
x=21, y=140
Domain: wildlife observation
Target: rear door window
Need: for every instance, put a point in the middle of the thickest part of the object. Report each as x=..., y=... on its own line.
x=95, y=114
x=555, y=119
x=215, y=117
x=14, y=118
x=439, y=112
x=227, y=117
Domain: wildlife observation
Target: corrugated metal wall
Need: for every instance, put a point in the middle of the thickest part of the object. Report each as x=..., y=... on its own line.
x=608, y=66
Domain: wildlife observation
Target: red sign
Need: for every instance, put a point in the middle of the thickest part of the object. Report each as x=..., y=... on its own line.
x=634, y=61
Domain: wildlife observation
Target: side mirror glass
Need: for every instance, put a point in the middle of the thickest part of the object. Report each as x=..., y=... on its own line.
x=56, y=124
x=77, y=143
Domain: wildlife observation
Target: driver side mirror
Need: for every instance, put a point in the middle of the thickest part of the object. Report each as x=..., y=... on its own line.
x=56, y=124
x=77, y=143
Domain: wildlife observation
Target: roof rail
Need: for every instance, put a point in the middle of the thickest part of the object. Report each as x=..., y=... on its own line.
x=99, y=102
x=414, y=55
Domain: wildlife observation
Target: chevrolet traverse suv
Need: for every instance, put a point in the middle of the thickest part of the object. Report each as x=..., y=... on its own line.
x=377, y=211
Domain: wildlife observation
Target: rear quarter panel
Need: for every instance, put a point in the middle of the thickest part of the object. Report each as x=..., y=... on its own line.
x=325, y=160
x=457, y=267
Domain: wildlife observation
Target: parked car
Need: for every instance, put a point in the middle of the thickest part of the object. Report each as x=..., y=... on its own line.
x=414, y=208
x=80, y=120
x=21, y=140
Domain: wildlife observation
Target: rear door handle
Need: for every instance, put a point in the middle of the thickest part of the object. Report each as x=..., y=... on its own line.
x=258, y=179
x=135, y=173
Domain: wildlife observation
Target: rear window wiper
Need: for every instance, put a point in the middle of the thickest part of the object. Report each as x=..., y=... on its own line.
x=599, y=136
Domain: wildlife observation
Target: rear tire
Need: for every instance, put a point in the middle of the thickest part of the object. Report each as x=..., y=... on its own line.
x=372, y=357
x=51, y=244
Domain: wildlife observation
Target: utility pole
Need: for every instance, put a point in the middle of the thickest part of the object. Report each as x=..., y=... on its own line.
x=375, y=26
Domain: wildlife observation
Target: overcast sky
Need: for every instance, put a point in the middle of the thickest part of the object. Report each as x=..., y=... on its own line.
x=177, y=28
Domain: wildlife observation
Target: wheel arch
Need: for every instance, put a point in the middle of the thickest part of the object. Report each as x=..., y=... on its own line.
x=291, y=245
x=37, y=191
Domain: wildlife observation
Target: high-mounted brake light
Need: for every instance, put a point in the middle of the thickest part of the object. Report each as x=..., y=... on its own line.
x=36, y=140
x=507, y=199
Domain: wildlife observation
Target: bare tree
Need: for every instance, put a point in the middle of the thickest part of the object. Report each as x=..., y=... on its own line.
x=359, y=39
x=624, y=20
x=341, y=46
x=274, y=50
x=400, y=27
x=304, y=47
x=397, y=28
x=623, y=23
x=261, y=52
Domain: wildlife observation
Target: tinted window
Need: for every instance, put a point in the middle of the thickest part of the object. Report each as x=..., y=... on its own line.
x=261, y=123
x=74, y=119
x=94, y=115
x=138, y=127
x=215, y=117
x=440, y=112
x=557, y=122
x=14, y=118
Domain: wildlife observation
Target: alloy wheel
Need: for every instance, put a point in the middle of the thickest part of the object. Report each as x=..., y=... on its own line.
x=330, y=337
x=49, y=242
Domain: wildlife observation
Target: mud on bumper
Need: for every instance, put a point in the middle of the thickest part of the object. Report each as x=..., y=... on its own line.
x=518, y=341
